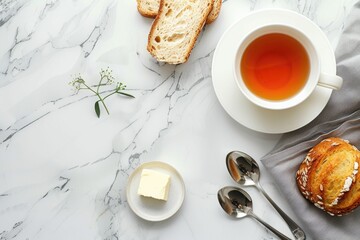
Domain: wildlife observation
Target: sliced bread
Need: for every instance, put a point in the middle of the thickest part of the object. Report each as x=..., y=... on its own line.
x=215, y=11
x=176, y=28
x=150, y=8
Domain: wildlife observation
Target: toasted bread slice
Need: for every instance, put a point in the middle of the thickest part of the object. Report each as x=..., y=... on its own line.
x=150, y=8
x=176, y=28
x=215, y=11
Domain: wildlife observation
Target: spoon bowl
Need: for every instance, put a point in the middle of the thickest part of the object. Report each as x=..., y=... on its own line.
x=237, y=203
x=243, y=168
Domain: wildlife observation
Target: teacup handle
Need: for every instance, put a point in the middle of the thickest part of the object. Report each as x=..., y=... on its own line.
x=330, y=81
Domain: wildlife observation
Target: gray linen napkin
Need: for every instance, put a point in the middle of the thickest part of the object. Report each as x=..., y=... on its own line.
x=341, y=117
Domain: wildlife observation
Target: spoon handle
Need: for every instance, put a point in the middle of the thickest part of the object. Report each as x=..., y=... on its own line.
x=276, y=232
x=298, y=233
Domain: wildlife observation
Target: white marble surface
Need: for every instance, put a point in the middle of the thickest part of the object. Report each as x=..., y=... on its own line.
x=63, y=171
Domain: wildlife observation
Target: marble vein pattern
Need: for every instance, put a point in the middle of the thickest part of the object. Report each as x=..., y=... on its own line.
x=63, y=171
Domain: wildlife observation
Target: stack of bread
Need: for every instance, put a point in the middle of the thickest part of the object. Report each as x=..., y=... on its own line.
x=329, y=178
x=177, y=25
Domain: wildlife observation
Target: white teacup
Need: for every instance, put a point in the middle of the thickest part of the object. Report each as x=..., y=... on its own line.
x=315, y=76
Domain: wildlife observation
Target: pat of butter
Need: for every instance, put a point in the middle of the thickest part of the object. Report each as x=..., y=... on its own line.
x=154, y=184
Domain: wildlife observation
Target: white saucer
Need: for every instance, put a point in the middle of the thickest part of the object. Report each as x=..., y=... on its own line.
x=152, y=209
x=238, y=106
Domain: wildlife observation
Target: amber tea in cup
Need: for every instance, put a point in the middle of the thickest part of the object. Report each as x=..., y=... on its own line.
x=275, y=66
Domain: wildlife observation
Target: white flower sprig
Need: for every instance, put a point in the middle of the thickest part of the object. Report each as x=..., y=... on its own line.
x=106, y=78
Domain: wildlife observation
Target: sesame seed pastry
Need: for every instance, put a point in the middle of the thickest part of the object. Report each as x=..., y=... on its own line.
x=328, y=176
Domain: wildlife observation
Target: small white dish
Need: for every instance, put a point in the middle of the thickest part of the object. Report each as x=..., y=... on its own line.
x=237, y=105
x=152, y=209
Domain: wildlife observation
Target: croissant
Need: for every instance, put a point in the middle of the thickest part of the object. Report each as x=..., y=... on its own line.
x=328, y=176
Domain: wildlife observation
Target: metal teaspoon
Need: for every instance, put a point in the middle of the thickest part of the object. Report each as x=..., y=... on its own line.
x=237, y=203
x=245, y=171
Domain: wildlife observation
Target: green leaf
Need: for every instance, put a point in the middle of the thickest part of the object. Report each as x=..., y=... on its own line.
x=126, y=94
x=97, y=109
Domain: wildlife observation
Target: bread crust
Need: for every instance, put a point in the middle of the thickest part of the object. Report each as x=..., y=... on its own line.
x=147, y=14
x=213, y=15
x=328, y=177
x=190, y=45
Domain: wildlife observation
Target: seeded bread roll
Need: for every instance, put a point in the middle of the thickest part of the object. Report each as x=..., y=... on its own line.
x=176, y=28
x=328, y=176
x=150, y=8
